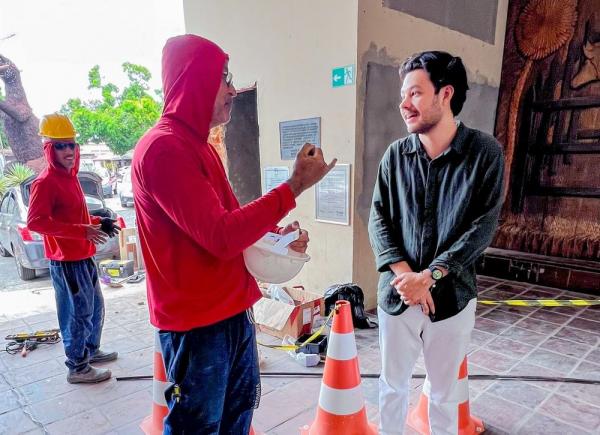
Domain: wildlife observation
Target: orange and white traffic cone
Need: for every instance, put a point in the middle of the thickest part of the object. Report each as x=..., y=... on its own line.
x=153, y=424
x=418, y=418
x=341, y=407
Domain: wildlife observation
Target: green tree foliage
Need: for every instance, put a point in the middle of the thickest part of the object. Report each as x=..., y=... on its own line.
x=17, y=173
x=118, y=118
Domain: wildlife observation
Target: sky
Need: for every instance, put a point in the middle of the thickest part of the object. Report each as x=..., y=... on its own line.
x=57, y=42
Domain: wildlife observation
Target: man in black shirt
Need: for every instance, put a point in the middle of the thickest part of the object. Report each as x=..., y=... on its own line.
x=435, y=208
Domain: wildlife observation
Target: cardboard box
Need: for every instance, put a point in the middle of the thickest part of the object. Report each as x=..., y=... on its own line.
x=280, y=319
x=130, y=247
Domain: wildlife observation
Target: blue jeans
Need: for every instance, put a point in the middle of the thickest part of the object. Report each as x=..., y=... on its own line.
x=215, y=376
x=80, y=309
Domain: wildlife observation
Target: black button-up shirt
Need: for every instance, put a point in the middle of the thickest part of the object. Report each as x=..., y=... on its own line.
x=440, y=212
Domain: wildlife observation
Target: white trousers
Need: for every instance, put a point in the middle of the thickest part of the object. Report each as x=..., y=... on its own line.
x=444, y=344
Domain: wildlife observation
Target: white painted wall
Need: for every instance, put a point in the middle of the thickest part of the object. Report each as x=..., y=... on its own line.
x=289, y=49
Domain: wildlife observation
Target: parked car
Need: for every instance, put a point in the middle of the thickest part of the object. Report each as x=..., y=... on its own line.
x=26, y=246
x=109, y=181
x=125, y=190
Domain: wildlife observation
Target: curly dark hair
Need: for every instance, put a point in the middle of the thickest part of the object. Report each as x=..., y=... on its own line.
x=443, y=69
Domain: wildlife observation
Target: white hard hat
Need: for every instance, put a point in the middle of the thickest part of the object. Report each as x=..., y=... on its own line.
x=270, y=260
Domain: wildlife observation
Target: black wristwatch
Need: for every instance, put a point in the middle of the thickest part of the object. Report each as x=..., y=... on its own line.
x=436, y=274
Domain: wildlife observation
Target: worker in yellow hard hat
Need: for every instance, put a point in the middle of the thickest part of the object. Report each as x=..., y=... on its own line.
x=58, y=211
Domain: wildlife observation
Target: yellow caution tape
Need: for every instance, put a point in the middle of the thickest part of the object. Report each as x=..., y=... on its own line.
x=544, y=302
x=294, y=347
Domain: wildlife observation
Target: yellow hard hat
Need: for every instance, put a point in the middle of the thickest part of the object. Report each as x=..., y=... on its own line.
x=57, y=126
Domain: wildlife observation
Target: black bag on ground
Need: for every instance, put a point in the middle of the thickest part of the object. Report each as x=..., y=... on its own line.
x=352, y=293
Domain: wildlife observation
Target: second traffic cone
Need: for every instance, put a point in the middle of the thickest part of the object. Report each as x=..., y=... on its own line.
x=153, y=424
x=418, y=418
x=341, y=409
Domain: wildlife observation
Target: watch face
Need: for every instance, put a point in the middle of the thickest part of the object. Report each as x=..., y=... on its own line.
x=437, y=274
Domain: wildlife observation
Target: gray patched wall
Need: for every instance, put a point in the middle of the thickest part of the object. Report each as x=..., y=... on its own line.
x=383, y=123
x=475, y=18
x=243, y=154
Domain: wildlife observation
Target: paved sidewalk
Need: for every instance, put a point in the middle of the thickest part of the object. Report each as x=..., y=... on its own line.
x=36, y=399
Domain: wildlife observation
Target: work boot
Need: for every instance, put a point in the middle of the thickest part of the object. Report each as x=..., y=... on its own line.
x=100, y=356
x=91, y=375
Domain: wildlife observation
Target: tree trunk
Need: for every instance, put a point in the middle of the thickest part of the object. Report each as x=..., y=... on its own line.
x=20, y=124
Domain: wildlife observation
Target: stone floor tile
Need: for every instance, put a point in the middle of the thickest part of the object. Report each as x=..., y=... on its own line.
x=495, y=294
x=523, y=335
x=40, y=354
x=480, y=338
x=46, y=389
x=566, y=347
x=128, y=409
x=89, y=423
x=34, y=319
x=9, y=401
x=14, y=421
x=521, y=393
x=511, y=348
x=292, y=426
x=105, y=392
x=539, y=293
x=578, y=335
x=539, y=326
x=136, y=359
x=551, y=360
x=581, y=392
x=587, y=370
x=502, y=316
x=549, y=315
x=287, y=402
x=130, y=429
x=572, y=411
x=524, y=368
x=586, y=325
x=35, y=372
x=499, y=413
x=490, y=326
x=492, y=361
x=486, y=282
x=593, y=356
x=542, y=424
x=61, y=407
x=512, y=287
x=590, y=313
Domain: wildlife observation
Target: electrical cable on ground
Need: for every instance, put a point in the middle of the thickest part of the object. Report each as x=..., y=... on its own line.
x=415, y=376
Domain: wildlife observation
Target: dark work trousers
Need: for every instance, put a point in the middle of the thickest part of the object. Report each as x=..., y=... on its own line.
x=215, y=376
x=80, y=309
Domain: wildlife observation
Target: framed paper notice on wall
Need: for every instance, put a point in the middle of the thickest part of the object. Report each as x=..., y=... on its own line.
x=294, y=134
x=332, y=196
x=274, y=176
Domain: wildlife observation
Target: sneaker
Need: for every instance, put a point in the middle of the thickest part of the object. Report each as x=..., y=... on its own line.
x=90, y=376
x=101, y=356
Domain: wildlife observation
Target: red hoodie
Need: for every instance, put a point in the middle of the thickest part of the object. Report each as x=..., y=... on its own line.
x=192, y=229
x=57, y=210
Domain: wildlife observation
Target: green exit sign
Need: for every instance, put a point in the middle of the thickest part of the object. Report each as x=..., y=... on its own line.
x=342, y=76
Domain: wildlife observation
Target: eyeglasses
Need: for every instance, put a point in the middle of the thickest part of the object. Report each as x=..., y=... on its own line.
x=228, y=78
x=59, y=146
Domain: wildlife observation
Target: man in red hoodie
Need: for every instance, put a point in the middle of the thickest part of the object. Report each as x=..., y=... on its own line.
x=58, y=211
x=193, y=231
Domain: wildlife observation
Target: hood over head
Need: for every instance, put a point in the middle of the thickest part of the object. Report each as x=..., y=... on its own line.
x=54, y=166
x=192, y=70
